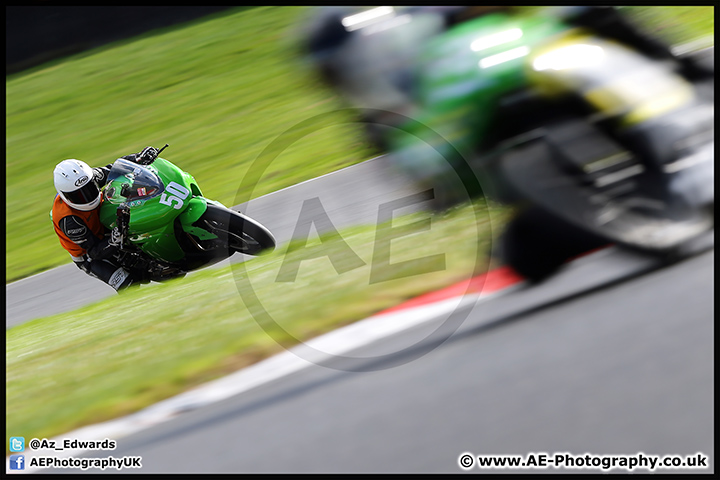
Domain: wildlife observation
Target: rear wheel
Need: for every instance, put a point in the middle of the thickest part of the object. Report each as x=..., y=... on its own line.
x=236, y=231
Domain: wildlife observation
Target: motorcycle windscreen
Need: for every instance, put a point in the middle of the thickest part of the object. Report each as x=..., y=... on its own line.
x=128, y=181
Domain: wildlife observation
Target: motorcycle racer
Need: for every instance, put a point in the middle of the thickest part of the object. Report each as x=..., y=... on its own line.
x=76, y=220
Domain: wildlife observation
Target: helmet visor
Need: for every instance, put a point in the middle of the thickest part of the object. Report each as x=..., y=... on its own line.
x=84, y=195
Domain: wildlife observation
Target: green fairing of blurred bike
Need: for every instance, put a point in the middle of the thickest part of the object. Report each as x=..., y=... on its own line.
x=169, y=227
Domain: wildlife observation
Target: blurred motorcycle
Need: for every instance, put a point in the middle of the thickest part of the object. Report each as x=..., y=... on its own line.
x=591, y=139
x=169, y=228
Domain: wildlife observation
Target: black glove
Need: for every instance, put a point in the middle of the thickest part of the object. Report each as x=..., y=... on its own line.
x=100, y=174
x=147, y=156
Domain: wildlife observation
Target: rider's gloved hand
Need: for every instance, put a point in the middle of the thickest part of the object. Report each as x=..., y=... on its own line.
x=147, y=156
x=98, y=176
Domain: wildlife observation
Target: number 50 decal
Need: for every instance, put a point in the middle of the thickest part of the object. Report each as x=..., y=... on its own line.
x=178, y=193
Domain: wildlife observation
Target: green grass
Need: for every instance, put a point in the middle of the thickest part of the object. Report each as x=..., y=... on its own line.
x=675, y=24
x=131, y=350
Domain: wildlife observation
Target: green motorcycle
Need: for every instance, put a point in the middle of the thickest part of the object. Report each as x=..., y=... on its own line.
x=168, y=227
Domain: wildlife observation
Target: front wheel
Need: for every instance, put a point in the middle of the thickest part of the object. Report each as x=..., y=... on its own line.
x=237, y=232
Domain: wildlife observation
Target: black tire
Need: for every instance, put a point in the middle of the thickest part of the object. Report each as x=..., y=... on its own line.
x=536, y=244
x=239, y=233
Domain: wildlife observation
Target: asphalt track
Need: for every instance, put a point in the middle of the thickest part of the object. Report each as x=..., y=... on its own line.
x=350, y=196
x=610, y=357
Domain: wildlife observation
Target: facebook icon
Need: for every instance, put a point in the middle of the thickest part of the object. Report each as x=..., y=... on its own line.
x=17, y=462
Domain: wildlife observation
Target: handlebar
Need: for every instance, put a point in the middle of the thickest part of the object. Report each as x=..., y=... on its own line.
x=166, y=145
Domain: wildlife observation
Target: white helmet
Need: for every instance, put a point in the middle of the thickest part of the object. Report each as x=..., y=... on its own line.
x=75, y=184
